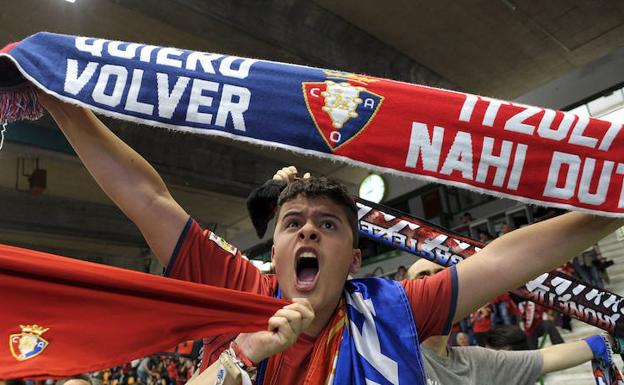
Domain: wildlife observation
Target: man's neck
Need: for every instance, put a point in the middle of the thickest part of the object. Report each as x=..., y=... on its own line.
x=321, y=318
x=438, y=344
x=316, y=327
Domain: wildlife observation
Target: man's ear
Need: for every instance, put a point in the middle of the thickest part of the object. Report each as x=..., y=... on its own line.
x=273, y=255
x=356, y=261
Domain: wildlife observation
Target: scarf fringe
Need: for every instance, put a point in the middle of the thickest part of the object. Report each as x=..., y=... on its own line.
x=19, y=103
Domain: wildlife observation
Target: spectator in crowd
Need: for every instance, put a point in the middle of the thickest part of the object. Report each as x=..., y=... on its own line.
x=537, y=322
x=465, y=326
x=485, y=236
x=505, y=228
x=504, y=310
x=467, y=218
x=307, y=209
x=563, y=320
x=462, y=339
x=587, y=265
x=189, y=369
x=146, y=370
x=172, y=372
x=478, y=365
x=542, y=213
x=13, y=382
x=482, y=323
x=401, y=273
x=506, y=337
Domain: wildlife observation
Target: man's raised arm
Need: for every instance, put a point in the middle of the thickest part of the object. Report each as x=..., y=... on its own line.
x=564, y=356
x=128, y=179
x=517, y=257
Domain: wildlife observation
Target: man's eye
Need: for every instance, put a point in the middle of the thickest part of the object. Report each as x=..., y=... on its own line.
x=328, y=225
x=292, y=224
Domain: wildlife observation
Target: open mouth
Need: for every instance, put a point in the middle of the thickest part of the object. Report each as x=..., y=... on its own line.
x=307, y=271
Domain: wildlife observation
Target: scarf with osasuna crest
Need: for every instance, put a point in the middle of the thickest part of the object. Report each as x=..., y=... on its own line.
x=64, y=316
x=506, y=149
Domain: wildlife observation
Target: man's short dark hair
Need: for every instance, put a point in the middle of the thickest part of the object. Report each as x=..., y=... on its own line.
x=321, y=187
x=509, y=337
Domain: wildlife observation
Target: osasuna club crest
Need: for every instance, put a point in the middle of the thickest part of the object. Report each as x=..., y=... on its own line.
x=340, y=109
x=28, y=343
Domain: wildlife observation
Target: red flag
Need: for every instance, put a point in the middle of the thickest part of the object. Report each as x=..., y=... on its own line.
x=63, y=316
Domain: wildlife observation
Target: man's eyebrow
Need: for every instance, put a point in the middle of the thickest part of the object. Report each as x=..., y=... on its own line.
x=294, y=213
x=291, y=213
x=331, y=215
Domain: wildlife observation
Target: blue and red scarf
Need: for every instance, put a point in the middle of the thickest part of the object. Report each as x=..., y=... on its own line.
x=375, y=349
x=501, y=148
x=361, y=344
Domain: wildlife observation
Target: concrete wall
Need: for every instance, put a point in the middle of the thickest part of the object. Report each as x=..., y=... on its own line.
x=579, y=84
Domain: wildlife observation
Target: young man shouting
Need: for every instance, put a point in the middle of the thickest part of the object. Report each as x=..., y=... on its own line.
x=364, y=331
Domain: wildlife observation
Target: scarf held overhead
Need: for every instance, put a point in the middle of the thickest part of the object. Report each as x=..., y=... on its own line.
x=554, y=290
x=63, y=316
x=505, y=149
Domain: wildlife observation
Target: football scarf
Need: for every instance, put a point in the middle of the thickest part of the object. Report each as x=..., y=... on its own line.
x=554, y=290
x=321, y=368
x=603, y=367
x=606, y=374
x=362, y=344
x=62, y=316
x=374, y=348
x=501, y=148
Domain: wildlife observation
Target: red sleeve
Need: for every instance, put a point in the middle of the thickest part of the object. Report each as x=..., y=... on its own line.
x=203, y=257
x=433, y=301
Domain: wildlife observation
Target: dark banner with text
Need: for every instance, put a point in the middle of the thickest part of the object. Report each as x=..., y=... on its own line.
x=553, y=290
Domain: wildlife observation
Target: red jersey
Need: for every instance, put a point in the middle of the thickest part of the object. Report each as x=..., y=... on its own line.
x=201, y=256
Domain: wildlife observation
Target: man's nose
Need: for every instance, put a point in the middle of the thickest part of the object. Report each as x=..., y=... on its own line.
x=309, y=232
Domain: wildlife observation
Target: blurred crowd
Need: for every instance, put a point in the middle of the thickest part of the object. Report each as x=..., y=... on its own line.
x=153, y=370
x=522, y=320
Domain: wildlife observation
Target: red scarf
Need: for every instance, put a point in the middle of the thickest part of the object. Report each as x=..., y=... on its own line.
x=99, y=316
